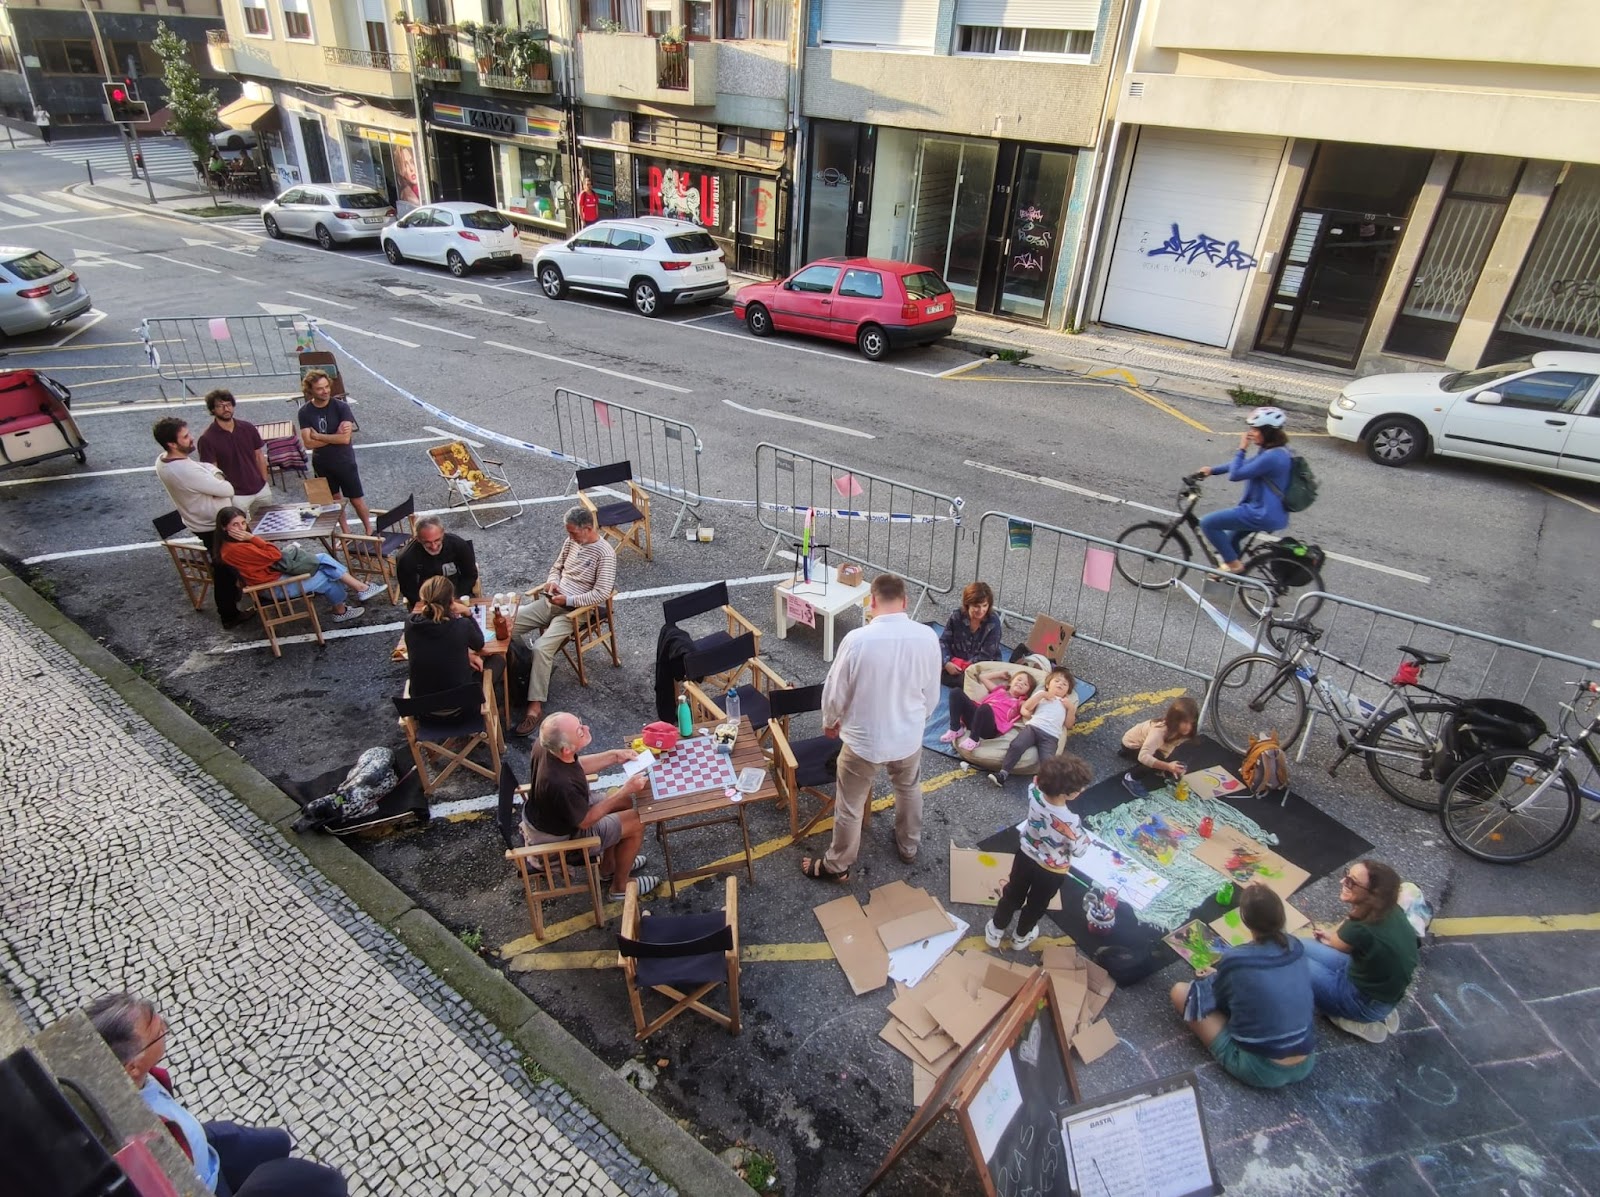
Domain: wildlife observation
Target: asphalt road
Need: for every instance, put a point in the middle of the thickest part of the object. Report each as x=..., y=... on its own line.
x=808, y=1080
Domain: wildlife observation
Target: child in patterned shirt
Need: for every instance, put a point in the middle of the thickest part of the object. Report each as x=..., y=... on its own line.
x=1051, y=837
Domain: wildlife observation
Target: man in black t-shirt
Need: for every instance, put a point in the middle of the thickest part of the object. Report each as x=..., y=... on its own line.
x=436, y=553
x=561, y=806
x=328, y=429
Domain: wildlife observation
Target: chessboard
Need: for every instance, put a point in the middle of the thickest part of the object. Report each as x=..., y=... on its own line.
x=290, y=520
x=693, y=767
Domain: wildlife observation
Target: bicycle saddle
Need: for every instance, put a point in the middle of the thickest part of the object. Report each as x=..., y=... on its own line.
x=1425, y=658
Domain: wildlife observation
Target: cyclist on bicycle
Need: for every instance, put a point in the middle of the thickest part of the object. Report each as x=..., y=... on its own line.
x=1265, y=477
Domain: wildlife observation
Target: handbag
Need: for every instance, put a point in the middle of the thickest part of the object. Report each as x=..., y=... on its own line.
x=295, y=559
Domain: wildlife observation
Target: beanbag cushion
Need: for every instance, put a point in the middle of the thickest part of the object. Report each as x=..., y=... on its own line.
x=989, y=753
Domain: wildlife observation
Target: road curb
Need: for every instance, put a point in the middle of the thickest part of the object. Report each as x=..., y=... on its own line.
x=671, y=1151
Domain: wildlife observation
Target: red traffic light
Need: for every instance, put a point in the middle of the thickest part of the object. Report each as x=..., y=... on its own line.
x=119, y=95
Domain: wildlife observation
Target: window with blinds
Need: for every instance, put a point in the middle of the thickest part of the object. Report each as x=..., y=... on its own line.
x=1027, y=28
x=879, y=24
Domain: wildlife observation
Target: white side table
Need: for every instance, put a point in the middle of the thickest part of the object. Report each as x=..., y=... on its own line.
x=827, y=596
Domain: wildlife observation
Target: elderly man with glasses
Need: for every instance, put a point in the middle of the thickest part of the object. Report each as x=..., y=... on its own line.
x=231, y=1160
x=436, y=553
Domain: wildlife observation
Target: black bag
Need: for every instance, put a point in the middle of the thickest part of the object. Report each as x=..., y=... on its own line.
x=519, y=668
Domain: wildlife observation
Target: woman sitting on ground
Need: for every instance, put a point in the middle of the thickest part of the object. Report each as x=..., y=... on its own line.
x=1152, y=743
x=1254, y=1011
x=971, y=635
x=261, y=563
x=1360, y=972
x=443, y=641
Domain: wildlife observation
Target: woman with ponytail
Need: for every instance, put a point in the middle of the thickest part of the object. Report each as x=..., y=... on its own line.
x=442, y=645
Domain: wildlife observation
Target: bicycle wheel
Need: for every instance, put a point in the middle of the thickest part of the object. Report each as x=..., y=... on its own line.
x=1253, y=694
x=1283, y=573
x=1508, y=805
x=1152, y=537
x=1405, y=753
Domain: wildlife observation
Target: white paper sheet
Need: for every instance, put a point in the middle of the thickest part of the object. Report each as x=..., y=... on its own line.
x=995, y=1105
x=1145, y=1147
x=610, y=781
x=1135, y=884
x=910, y=964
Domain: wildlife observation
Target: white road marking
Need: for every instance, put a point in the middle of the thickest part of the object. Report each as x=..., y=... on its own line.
x=1098, y=496
x=449, y=332
x=193, y=241
x=99, y=257
x=364, y=332
x=47, y=205
x=778, y=415
x=1575, y=502
x=190, y=265
x=566, y=361
x=919, y=373
x=92, y=204
x=463, y=806
x=50, y=224
x=765, y=341
x=323, y=299
x=80, y=330
x=103, y=409
x=25, y=213
x=80, y=474
x=452, y=436
x=698, y=319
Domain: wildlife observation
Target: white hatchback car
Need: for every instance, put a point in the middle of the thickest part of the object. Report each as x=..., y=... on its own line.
x=654, y=261
x=457, y=234
x=329, y=213
x=1542, y=413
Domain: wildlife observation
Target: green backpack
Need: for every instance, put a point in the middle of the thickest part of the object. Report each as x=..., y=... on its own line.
x=1302, y=491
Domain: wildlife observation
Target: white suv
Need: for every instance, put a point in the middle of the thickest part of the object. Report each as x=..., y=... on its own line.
x=654, y=261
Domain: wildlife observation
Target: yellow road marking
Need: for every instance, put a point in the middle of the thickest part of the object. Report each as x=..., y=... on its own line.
x=1115, y=372
x=1049, y=382
x=754, y=953
x=1160, y=405
x=1516, y=924
x=1133, y=704
x=960, y=370
x=1575, y=502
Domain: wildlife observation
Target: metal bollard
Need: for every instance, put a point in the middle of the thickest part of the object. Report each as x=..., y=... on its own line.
x=89, y=166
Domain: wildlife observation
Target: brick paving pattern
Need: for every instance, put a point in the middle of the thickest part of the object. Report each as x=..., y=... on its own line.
x=124, y=866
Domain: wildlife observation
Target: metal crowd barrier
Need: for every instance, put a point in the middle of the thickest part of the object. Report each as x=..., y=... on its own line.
x=884, y=525
x=1481, y=664
x=1191, y=625
x=665, y=452
x=220, y=349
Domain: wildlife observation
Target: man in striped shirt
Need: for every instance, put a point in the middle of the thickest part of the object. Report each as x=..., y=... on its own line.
x=585, y=572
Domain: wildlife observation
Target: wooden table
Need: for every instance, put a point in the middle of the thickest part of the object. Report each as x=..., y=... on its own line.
x=688, y=812
x=491, y=649
x=320, y=527
x=827, y=597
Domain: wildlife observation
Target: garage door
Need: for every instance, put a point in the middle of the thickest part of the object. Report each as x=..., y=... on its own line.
x=1187, y=236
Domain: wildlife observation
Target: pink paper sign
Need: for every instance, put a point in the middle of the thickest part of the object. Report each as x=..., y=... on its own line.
x=847, y=485
x=1097, y=566
x=602, y=415
x=219, y=329
x=801, y=611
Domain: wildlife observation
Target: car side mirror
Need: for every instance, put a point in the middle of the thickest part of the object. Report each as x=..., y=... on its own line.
x=1490, y=397
x=788, y=284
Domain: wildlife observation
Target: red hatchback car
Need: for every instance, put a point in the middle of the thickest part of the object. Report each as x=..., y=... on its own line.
x=876, y=304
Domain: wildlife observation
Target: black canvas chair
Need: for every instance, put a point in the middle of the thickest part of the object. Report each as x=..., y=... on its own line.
x=449, y=727
x=735, y=662
x=802, y=764
x=626, y=522
x=682, y=957
x=683, y=607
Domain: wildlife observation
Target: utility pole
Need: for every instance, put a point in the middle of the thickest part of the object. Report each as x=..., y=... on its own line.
x=126, y=131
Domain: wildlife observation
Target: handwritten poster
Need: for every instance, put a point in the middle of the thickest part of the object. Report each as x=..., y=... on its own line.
x=1149, y=1146
x=800, y=611
x=995, y=1105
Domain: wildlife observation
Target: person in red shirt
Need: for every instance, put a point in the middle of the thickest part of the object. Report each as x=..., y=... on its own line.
x=236, y=448
x=588, y=205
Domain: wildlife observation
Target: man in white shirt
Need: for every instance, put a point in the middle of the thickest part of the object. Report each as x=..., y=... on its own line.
x=880, y=693
x=198, y=491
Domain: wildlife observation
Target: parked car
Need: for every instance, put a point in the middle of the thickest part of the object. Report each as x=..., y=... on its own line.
x=457, y=234
x=1541, y=413
x=36, y=292
x=876, y=304
x=654, y=261
x=329, y=213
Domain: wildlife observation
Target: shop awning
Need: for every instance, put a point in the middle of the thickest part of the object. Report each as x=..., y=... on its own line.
x=245, y=114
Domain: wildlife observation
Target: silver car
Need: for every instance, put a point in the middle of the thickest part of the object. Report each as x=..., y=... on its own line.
x=37, y=292
x=329, y=213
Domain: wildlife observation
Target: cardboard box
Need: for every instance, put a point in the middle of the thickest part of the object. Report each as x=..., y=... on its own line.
x=1049, y=638
x=977, y=877
x=921, y=932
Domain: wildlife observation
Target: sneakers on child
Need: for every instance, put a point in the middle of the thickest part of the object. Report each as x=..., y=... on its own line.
x=951, y=736
x=998, y=778
x=1133, y=787
x=371, y=592
x=1372, y=1032
x=992, y=935
x=967, y=745
x=1021, y=943
x=349, y=613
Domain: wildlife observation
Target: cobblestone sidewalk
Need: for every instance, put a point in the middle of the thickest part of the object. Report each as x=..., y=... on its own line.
x=124, y=866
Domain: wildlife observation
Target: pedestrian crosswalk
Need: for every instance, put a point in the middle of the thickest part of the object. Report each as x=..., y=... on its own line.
x=47, y=205
x=162, y=155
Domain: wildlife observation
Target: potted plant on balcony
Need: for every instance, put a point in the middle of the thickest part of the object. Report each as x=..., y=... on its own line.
x=528, y=51
x=672, y=40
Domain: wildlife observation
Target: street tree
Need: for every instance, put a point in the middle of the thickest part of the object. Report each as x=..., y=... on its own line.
x=194, y=108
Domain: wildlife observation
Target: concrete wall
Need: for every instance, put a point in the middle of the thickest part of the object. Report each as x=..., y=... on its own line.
x=753, y=84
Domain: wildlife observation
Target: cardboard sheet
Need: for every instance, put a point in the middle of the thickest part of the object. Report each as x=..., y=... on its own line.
x=977, y=877
x=1094, y=1041
x=922, y=1082
x=1241, y=860
x=913, y=1015
x=855, y=944
x=1233, y=931
x=963, y=1018
x=911, y=928
x=853, y=932
x=916, y=960
x=1213, y=782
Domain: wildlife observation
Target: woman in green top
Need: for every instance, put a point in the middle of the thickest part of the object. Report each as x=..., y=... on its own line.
x=1360, y=973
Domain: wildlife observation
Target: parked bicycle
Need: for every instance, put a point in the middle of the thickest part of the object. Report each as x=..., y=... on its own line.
x=1284, y=564
x=1509, y=805
x=1409, y=743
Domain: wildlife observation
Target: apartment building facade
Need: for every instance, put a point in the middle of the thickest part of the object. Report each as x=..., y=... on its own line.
x=961, y=135
x=1355, y=183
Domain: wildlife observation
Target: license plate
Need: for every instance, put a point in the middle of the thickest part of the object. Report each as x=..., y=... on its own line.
x=705, y=265
x=374, y=219
x=935, y=309
x=500, y=253
x=62, y=287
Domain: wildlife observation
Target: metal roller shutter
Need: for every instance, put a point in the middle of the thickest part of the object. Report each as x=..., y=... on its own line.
x=898, y=24
x=1030, y=14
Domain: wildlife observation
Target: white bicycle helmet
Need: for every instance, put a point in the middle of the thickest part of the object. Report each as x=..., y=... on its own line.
x=1267, y=417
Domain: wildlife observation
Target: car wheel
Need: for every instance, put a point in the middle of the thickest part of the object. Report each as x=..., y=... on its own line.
x=1396, y=441
x=873, y=343
x=324, y=238
x=551, y=282
x=392, y=252
x=758, y=320
x=273, y=230
x=458, y=264
x=645, y=296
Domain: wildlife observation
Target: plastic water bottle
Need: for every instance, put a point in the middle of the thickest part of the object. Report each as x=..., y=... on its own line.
x=730, y=704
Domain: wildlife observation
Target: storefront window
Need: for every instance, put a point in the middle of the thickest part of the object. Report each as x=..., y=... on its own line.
x=1556, y=302
x=534, y=184
x=681, y=191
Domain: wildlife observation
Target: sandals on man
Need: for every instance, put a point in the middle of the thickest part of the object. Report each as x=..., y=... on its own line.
x=816, y=868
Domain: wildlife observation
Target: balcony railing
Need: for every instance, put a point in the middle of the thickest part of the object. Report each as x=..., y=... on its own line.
x=217, y=37
x=672, y=66
x=435, y=58
x=376, y=60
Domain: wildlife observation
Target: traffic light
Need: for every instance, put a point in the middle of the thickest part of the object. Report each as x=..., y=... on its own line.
x=122, y=99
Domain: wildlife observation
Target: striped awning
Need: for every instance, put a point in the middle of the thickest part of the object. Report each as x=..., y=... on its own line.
x=245, y=114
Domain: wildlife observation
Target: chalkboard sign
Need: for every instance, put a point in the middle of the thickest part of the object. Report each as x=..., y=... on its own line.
x=1009, y=1088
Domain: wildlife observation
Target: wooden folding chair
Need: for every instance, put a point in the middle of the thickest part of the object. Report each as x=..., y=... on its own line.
x=593, y=626
x=371, y=558
x=802, y=765
x=702, y=602
x=284, y=602
x=190, y=559
x=449, y=727
x=539, y=865
x=731, y=661
x=682, y=957
x=626, y=522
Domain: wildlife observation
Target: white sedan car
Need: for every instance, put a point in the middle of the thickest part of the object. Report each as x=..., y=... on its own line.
x=456, y=234
x=1542, y=413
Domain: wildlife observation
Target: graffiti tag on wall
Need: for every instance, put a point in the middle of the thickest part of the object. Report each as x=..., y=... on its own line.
x=674, y=193
x=1202, y=248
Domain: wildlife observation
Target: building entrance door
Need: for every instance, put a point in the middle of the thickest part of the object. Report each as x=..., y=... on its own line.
x=1334, y=270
